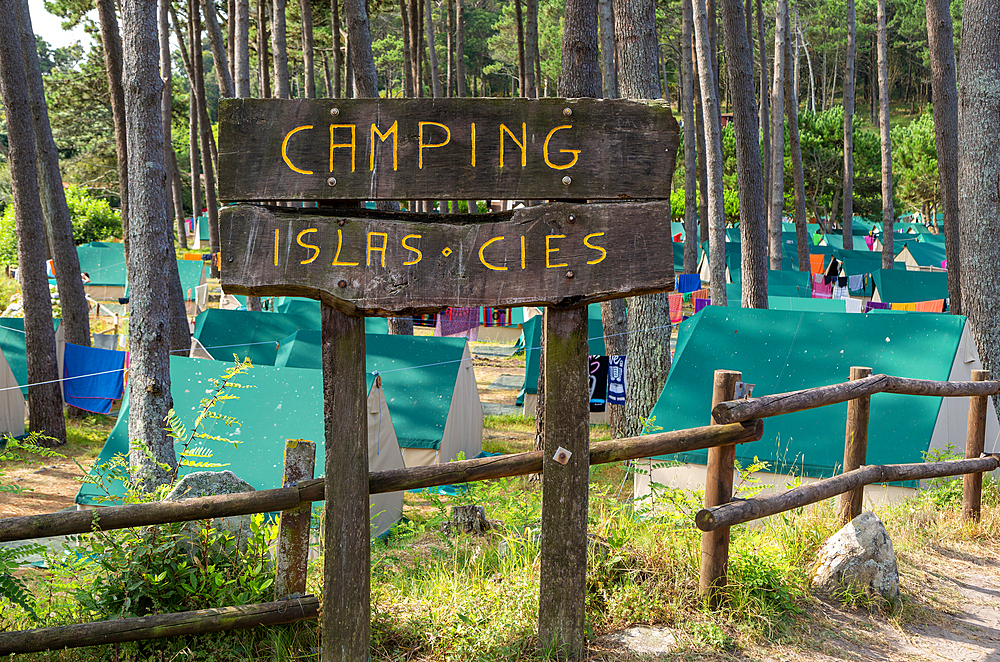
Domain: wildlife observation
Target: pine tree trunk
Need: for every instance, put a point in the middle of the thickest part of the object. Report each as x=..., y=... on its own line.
x=263, y=70
x=279, y=44
x=449, y=28
x=112, y=46
x=460, y=54
x=699, y=116
x=530, y=48
x=798, y=178
x=195, y=153
x=149, y=368
x=44, y=397
x=753, y=215
x=431, y=50
x=400, y=326
x=888, y=255
x=943, y=85
x=206, y=137
x=58, y=226
x=690, y=142
x=230, y=41
x=978, y=174
x=338, y=59
x=519, y=29
x=407, y=50
x=609, y=73
x=222, y=75
x=178, y=193
x=849, y=76
x=765, y=112
x=308, y=61
x=776, y=200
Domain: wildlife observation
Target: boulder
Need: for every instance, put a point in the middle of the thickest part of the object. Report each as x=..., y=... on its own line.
x=209, y=483
x=859, y=557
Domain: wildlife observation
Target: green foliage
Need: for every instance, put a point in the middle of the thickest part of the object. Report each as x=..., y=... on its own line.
x=915, y=163
x=943, y=492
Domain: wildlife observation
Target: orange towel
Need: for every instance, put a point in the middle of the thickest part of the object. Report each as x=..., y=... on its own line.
x=192, y=256
x=932, y=306
x=816, y=263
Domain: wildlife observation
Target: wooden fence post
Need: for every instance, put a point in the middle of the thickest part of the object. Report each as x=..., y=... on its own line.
x=346, y=622
x=975, y=444
x=849, y=504
x=293, y=527
x=565, y=478
x=718, y=490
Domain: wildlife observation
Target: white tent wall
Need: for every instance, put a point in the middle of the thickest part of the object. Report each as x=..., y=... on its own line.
x=13, y=410
x=198, y=350
x=463, y=431
x=383, y=454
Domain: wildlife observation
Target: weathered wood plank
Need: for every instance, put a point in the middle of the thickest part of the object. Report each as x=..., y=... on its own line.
x=379, y=482
x=849, y=504
x=975, y=444
x=382, y=264
x=404, y=149
x=292, y=558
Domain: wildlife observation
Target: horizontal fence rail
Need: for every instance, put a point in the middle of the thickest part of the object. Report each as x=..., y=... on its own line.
x=737, y=512
x=286, y=498
x=765, y=406
x=159, y=626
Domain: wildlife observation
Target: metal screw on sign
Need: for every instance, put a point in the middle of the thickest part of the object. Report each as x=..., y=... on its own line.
x=332, y=181
x=342, y=284
x=335, y=111
x=571, y=218
x=341, y=222
x=569, y=274
x=567, y=180
x=567, y=111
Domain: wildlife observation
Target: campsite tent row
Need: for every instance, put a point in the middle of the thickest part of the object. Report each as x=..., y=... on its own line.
x=14, y=372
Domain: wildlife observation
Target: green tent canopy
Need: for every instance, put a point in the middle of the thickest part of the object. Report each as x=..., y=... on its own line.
x=103, y=262
x=902, y=286
x=12, y=346
x=921, y=254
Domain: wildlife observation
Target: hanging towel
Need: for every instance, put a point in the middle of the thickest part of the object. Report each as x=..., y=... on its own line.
x=616, y=380
x=688, y=282
x=870, y=241
x=822, y=291
x=455, y=321
x=816, y=263
x=944, y=264
x=874, y=305
x=904, y=306
x=840, y=292
x=94, y=377
x=701, y=303
x=598, y=382
x=676, y=301
x=932, y=306
x=854, y=305
x=856, y=282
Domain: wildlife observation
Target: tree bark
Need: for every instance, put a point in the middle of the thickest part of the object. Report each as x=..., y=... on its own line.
x=699, y=116
x=195, y=153
x=58, y=225
x=888, y=254
x=431, y=50
x=609, y=72
x=777, y=179
x=222, y=75
x=178, y=193
x=690, y=142
x=713, y=160
x=241, y=48
x=765, y=112
x=449, y=28
x=795, y=152
x=943, y=88
x=44, y=397
x=530, y=48
x=400, y=326
x=282, y=89
x=263, y=70
x=149, y=371
x=206, y=137
x=407, y=57
x=112, y=46
x=978, y=174
x=519, y=29
x=753, y=215
x=305, y=7
x=649, y=327
x=849, y=76
x=338, y=57
x=460, y=53
x=359, y=41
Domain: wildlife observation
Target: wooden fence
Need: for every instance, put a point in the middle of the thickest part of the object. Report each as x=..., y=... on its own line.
x=733, y=422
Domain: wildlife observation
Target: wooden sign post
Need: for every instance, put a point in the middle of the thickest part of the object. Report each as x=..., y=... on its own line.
x=364, y=262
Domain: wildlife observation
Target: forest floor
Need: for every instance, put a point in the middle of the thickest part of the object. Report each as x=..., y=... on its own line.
x=951, y=589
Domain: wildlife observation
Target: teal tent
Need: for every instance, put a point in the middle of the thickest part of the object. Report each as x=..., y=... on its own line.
x=104, y=264
x=902, y=286
x=921, y=254
x=280, y=404
x=781, y=351
x=795, y=303
x=308, y=309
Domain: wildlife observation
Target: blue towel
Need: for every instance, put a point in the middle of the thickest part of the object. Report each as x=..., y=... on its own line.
x=104, y=380
x=688, y=283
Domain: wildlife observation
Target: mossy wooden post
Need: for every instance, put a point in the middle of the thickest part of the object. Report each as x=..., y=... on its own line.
x=718, y=490
x=346, y=622
x=975, y=443
x=293, y=527
x=565, y=471
x=849, y=504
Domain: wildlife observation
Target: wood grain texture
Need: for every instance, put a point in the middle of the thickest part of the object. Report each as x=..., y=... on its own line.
x=293, y=527
x=565, y=486
x=379, y=482
x=158, y=626
x=534, y=256
x=737, y=512
x=975, y=444
x=346, y=621
x=624, y=147
x=855, y=447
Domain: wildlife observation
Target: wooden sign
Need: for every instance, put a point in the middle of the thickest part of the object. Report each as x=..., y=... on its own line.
x=381, y=263
x=454, y=149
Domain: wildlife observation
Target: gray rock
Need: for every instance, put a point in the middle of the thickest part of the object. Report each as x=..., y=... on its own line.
x=643, y=640
x=858, y=557
x=209, y=483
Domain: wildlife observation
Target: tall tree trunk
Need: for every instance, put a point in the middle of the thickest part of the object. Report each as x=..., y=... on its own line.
x=57, y=224
x=222, y=75
x=943, y=85
x=279, y=44
x=713, y=157
x=230, y=42
x=195, y=153
x=431, y=50
x=699, y=124
x=407, y=50
x=308, y=64
x=111, y=44
x=449, y=28
x=178, y=194
x=359, y=41
x=263, y=70
x=753, y=215
x=149, y=369
x=530, y=48
x=765, y=112
x=609, y=73
x=44, y=397
x=205, y=133
x=888, y=254
x=338, y=59
x=979, y=172
x=849, y=76
x=798, y=178
x=777, y=197
x=460, y=52
x=690, y=142
x=519, y=28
